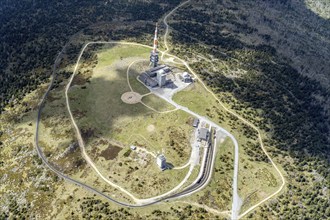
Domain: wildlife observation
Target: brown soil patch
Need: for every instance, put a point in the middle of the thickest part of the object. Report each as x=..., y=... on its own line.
x=111, y=152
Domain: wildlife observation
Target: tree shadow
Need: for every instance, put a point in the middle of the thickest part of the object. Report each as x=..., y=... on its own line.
x=97, y=108
x=169, y=166
x=286, y=80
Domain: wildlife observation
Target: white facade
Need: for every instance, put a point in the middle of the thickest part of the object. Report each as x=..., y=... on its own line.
x=161, y=78
x=186, y=77
x=161, y=161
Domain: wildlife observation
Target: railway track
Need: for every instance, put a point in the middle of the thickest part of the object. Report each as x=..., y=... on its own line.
x=206, y=173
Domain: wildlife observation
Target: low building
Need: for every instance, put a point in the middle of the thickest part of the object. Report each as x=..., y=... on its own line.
x=186, y=77
x=147, y=80
x=196, y=123
x=152, y=74
x=167, y=69
x=203, y=134
x=161, y=161
x=133, y=147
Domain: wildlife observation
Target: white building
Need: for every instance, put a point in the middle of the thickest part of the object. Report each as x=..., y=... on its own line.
x=161, y=161
x=186, y=77
x=161, y=77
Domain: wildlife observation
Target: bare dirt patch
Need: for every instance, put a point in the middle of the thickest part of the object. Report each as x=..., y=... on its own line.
x=111, y=152
x=131, y=97
x=151, y=128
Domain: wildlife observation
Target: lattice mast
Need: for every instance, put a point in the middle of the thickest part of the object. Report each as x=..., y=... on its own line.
x=154, y=53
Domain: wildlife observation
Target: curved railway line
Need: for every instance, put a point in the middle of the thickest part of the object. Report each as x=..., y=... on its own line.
x=198, y=184
x=202, y=180
x=206, y=171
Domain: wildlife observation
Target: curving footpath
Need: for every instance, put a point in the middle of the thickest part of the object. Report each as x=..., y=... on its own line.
x=140, y=202
x=236, y=200
x=198, y=184
x=42, y=156
x=183, y=108
x=53, y=168
x=80, y=141
x=167, y=26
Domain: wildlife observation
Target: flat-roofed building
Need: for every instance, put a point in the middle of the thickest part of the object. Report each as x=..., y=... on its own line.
x=196, y=122
x=167, y=69
x=203, y=134
x=161, y=161
x=147, y=80
x=153, y=71
x=186, y=77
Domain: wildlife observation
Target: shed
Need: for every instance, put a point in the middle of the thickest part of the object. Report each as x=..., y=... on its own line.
x=203, y=134
x=196, y=122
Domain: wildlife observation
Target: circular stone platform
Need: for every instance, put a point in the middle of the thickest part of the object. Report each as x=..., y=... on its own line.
x=131, y=97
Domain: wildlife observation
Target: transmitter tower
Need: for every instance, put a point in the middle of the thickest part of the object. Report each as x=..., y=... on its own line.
x=154, y=53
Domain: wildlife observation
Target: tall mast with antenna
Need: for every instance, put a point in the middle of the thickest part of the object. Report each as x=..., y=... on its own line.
x=154, y=53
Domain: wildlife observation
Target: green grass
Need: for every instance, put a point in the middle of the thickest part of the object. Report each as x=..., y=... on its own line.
x=157, y=103
x=167, y=127
x=116, y=52
x=218, y=193
x=101, y=100
x=134, y=72
x=196, y=98
x=98, y=107
x=252, y=174
x=257, y=180
x=107, y=117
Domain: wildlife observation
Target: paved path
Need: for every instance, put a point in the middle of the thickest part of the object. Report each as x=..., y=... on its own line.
x=149, y=201
x=89, y=160
x=236, y=204
x=236, y=200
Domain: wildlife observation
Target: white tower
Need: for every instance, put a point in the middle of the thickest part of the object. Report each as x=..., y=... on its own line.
x=154, y=53
x=161, y=161
x=161, y=78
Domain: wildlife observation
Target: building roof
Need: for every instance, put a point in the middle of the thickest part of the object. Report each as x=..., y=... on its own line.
x=203, y=134
x=196, y=122
x=156, y=68
x=167, y=69
x=147, y=80
x=143, y=77
x=161, y=157
x=186, y=75
x=152, y=82
x=160, y=72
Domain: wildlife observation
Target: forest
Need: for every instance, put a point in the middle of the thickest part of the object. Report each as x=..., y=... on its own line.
x=269, y=88
x=33, y=32
x=269, y=91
